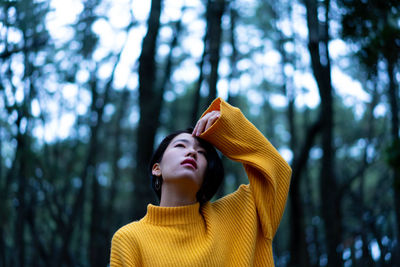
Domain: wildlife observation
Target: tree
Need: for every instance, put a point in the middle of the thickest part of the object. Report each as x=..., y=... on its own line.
x=64, y=194
x=212, y=43
x=26, y=19
x=377, y=38
x=150, y=102
x=318, y=40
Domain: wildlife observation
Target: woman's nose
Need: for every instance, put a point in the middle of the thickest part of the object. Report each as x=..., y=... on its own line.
x=192, y=153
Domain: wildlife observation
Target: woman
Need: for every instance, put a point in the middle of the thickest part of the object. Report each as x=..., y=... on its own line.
x=187, y=229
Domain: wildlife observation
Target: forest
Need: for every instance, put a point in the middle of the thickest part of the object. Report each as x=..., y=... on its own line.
x=89, y=87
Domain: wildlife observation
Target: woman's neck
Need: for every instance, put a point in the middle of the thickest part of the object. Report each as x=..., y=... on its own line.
x=175, y=195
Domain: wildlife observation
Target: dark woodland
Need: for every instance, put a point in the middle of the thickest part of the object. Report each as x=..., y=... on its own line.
x=83, y=104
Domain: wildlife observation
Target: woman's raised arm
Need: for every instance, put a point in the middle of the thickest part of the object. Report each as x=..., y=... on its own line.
x=237, y=138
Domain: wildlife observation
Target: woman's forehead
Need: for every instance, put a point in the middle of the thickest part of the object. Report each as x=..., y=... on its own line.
x=186, y=138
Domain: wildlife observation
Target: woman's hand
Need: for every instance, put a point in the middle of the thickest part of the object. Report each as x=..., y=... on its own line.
x=205, y=122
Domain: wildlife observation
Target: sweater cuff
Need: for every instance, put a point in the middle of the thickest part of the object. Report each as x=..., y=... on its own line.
x=215, y=105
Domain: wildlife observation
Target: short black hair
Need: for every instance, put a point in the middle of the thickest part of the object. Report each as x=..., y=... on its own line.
x=214, y=173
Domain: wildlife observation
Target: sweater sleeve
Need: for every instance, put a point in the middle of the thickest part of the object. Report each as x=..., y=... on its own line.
x=124, y=250
x=268, y=173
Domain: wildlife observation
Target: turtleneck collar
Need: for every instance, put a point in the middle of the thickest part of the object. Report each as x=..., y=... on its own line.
x=173, y=215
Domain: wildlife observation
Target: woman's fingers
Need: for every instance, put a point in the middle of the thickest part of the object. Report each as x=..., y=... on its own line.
x=199, y=126
x=211, y=120
x=205, y=122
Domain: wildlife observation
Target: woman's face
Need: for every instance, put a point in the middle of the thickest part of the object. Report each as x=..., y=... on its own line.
x=184, y=160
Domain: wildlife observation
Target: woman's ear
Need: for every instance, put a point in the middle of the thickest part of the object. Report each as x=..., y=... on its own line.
x=156, y=170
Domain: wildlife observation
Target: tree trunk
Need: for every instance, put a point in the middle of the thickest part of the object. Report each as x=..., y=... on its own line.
x=23, y=157
x=88, y=168
x=97, y=241
x=394, y=109
x=196, y=97
x=298, y=244
x=21, y=208
x=165, y=82
x=38, y=239
x=150, y=106
x=318, y=37
x=216, y=11
x=18, y=172
x=366, y=259
x=116, y=173
x=234, y=74
x=3, y=205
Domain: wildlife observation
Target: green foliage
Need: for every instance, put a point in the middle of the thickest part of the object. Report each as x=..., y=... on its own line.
x=373, y=26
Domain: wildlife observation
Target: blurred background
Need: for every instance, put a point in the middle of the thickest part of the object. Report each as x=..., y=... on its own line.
x=89, y=87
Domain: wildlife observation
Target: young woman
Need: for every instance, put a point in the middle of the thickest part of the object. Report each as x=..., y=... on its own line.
x=189, y=230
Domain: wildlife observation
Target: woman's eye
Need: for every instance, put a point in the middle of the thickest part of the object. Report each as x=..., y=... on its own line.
x=202, y=152
x=179, y=145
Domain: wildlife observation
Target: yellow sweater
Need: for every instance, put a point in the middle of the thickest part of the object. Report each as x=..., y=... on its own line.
x=236, y=230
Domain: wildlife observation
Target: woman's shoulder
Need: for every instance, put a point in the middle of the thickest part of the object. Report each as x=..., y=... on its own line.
x=128, y=231
x=125, y=246
x=236, y=200
x=237, y=208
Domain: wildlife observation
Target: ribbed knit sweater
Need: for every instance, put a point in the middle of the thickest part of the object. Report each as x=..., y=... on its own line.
x=236, y=230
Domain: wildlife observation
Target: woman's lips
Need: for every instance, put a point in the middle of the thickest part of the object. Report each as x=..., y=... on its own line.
x=191, y=162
